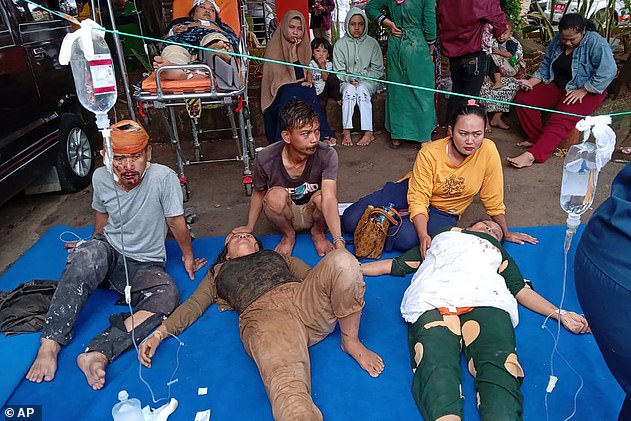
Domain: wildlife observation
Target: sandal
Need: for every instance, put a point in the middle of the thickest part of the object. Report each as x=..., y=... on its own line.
x=331, y=141
x=395, y=143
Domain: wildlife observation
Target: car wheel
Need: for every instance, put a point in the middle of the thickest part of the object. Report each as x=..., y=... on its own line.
x=75, y=156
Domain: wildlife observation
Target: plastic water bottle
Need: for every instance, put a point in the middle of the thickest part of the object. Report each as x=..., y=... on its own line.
x=94, y=79
x=127, y=409
x=580, y=175
x=382, y=218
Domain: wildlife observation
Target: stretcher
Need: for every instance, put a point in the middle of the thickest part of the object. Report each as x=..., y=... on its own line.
x=201, y=92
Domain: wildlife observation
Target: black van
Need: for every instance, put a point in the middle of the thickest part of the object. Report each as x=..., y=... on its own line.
x=44, y=131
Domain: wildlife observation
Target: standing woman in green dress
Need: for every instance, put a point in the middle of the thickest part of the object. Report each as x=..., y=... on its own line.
x=410, y=113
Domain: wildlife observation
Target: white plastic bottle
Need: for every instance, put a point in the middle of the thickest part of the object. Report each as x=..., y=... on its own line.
x=94, y=79
x=128, y=409
x=580, y=175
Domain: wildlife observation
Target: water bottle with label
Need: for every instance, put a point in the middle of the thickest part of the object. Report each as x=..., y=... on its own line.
x=382, y=218
x=128, y=409
x=580, y=175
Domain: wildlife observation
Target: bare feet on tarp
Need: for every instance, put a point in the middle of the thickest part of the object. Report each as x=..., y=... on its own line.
x=367, y=359
x=321, y=243
x=45, y=365
x=286, y=245
x=395, y=143
x=525, y=144
x=366, y=139
x=93, y=366
x=522, y=161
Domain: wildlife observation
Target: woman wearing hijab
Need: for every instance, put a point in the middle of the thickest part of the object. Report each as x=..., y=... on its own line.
x=283, y=83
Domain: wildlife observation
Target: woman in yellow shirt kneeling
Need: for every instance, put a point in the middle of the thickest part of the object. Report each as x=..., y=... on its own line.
x=447, y=175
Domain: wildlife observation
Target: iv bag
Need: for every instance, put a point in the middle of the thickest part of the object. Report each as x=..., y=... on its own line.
x=580, y=175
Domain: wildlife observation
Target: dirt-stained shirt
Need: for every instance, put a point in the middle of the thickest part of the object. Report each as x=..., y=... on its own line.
x=207, y=291
x=269, y=171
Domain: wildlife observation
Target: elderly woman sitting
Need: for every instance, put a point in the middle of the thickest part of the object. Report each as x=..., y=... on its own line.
x=202, y=28
x=576, y=70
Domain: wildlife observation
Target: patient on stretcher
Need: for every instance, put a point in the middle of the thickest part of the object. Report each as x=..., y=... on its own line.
x=202, y=28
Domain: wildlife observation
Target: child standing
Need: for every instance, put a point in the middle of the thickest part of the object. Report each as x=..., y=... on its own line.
x=357, y=53
x=326, y=85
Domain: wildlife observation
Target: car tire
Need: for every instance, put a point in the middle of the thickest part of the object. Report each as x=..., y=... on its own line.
x=75, y=154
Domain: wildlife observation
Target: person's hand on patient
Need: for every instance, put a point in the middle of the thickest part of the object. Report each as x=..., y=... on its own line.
x=519, y=238
x=575, y=323
x=425, y=241
x=242, y=228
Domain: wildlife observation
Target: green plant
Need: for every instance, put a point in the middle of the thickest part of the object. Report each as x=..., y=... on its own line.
x=541, y=22
x=513, y=9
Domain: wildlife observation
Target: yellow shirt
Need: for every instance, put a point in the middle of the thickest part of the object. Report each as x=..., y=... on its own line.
x=451, y=188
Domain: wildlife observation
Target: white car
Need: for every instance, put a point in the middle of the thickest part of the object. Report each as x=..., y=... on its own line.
x=596, y=11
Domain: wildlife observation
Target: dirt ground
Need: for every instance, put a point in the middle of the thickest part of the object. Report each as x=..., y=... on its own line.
x=220, y=202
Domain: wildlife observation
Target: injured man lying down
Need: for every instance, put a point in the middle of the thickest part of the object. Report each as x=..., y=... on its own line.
x=203, y=28
x=464, y=295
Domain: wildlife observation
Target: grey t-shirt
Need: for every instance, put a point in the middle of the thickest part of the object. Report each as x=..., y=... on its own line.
x=143, y=211
x=269, y=171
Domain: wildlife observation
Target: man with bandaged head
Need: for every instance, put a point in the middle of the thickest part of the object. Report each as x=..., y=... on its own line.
x=134, y=207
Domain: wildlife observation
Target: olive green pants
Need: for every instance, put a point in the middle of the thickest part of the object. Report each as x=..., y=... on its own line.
x=488, y=339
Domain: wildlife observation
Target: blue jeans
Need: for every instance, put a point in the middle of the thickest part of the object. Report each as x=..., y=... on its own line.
x=285, y=95
x=396, y=193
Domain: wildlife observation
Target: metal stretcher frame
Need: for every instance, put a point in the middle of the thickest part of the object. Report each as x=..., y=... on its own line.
x=235, y=102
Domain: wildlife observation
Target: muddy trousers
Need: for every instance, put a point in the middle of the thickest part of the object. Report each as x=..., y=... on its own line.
x=278, y=327
x=87, y=267
x=488, y=339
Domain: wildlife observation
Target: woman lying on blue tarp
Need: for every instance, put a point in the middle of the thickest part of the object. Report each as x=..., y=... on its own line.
x=464, y=294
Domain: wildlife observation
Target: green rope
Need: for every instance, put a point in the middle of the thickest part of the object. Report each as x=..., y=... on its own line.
x=388, y=82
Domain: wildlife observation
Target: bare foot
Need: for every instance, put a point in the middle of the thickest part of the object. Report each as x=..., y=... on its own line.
x=93, y=366
x=45, y=365
x=366, y=139
x=158, y=62
x=522, y=161
x=497, y=85
x=346, y=138
x=368, y=360
x=498, y=122
x=321, y=243
x=286, y=245
x=525, y=144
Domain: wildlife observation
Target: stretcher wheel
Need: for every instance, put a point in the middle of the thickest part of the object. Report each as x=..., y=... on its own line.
x=248, y=188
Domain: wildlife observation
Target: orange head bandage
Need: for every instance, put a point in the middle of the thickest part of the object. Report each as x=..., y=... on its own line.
x=128, y=137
